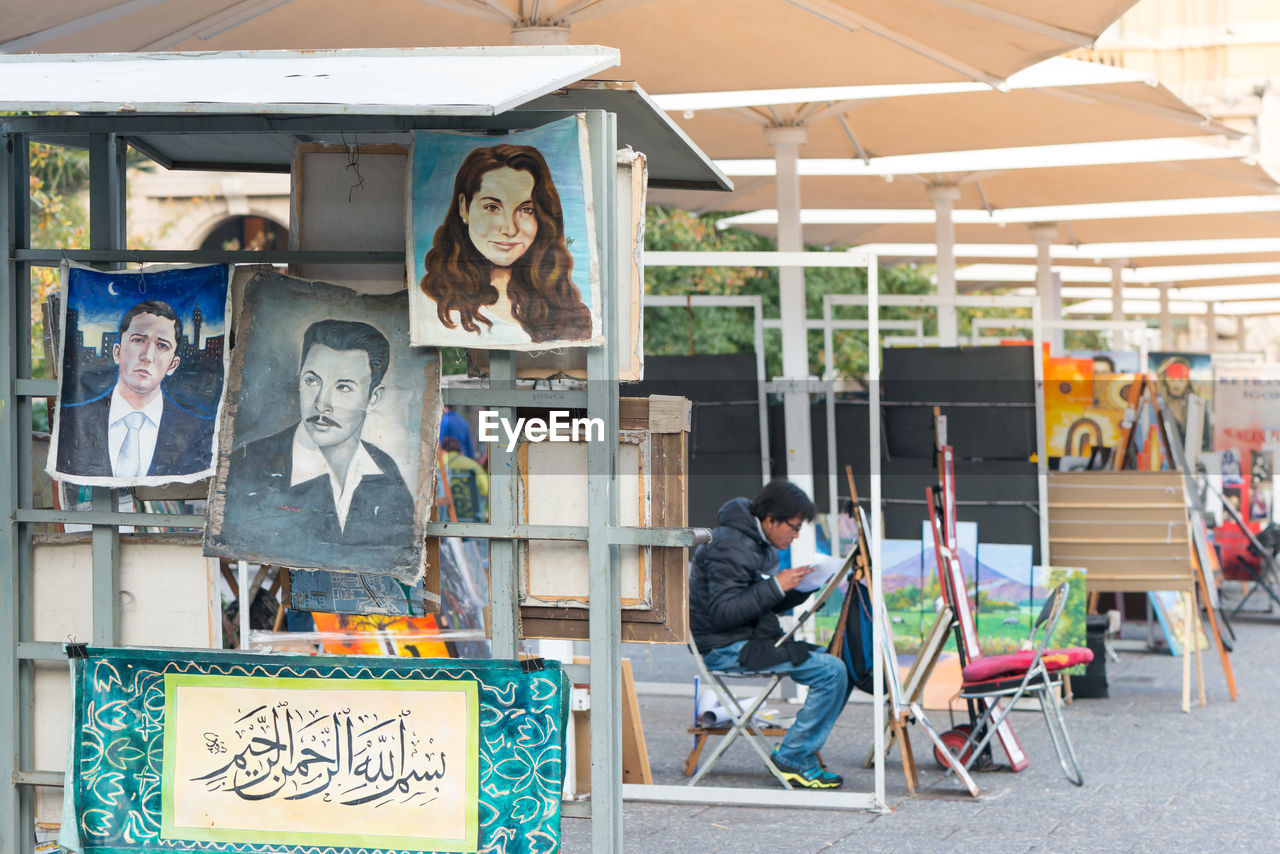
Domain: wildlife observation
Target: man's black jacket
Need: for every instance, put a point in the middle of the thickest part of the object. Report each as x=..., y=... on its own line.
x=732, y=593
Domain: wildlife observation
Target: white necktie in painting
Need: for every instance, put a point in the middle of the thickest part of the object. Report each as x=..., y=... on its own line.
x=130, y=453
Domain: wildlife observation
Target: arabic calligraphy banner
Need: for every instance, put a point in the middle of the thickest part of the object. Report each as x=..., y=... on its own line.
x=233, y=752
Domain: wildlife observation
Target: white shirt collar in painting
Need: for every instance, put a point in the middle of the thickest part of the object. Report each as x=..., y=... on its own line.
x=150, y=432
x=309, y=463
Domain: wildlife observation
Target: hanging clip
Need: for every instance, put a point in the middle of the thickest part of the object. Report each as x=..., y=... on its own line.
x=77, y=650
x=532, y=665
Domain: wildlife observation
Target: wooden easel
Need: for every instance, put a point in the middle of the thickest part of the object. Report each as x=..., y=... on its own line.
x=635, y=753
x=1202, y=582
x=896, y=724
x=904, y=706
x=921, y=670
x=942, y=517
x=1141, y=393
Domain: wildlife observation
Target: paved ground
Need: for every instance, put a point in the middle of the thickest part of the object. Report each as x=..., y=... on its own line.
x=1155, y=779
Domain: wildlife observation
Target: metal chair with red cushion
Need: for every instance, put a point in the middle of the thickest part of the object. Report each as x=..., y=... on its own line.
x=1008, y=677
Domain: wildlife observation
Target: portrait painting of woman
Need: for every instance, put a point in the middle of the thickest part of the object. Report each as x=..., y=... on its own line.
x=503, y=244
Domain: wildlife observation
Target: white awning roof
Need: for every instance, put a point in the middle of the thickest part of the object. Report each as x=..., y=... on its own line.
x=473, y=81
x=274, y=99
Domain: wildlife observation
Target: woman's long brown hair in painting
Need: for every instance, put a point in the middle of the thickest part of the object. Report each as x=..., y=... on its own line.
x=544, y=299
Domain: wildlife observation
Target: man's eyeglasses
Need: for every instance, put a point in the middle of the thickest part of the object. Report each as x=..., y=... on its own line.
x=792, y=525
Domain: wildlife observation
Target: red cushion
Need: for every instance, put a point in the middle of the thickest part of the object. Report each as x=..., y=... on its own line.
x=992, y=666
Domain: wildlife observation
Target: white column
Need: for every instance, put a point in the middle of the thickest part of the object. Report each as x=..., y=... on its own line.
x=786, y=142
x=1210, y=326
x=1048, y=286
x=1166, y=320
x=944, y=197
x=1117, y=300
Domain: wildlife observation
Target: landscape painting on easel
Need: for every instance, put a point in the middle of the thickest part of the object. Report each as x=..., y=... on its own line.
x=1005, y=603
x=1170, y=608
x=904, y=580
x=1071, y=628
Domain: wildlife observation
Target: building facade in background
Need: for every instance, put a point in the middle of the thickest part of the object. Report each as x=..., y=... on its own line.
x=1223, y=58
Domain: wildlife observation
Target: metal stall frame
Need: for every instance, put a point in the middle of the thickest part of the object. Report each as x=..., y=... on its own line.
x=19, y=654
x=759, y=324
x=1037, y=328
x=804, y=799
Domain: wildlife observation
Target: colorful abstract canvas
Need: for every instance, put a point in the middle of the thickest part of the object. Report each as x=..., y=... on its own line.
x=380, y=634
x=1083, y=409
x=233, y=752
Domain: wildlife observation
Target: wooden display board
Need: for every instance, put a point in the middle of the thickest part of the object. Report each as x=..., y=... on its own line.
x=666, y=420
x=553, y=491
x=168, y=597
x=1129, y=530
x=349, y=197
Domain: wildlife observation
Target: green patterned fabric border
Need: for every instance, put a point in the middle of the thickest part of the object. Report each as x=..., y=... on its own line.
x=114, y=778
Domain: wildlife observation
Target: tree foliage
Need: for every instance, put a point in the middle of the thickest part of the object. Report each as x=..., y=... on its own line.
x=679, y=331
x=59, y=220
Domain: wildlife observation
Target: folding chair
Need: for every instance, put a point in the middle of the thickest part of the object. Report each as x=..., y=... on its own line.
x=1008, y=677
x=740, y=714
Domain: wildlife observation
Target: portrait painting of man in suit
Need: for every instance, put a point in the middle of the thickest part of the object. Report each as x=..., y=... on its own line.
x=142, y=370
x=331, y=428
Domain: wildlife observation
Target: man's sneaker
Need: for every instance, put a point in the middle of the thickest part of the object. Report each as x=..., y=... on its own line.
x=811, y=778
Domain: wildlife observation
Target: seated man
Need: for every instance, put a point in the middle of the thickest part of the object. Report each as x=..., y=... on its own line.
x=735, y=595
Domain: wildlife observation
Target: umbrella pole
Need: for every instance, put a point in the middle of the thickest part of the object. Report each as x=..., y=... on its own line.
x=944, y=197
x=1117, y=301
x=1166, y=319
x=1049, y=291
x=786, y=142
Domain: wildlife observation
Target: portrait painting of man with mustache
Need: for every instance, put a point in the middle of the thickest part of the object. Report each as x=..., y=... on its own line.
x=322, y=491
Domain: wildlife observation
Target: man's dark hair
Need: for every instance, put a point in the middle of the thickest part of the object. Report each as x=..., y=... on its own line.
x=159, y=309
x=1111, y=365
x=351, y=335
x=451, y=443
x=782, y=499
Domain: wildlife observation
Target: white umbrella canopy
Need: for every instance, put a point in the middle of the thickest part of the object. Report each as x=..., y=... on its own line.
x=1133, y=256
x=1055, y=102
x=1223, y=175
x=1237, y=278
x=1071, y=232
x=667, y=45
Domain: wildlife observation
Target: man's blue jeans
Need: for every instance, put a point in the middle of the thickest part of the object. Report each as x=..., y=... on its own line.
x=828, y=681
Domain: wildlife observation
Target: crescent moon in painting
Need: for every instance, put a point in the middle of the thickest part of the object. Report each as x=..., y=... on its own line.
x=111, y=289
